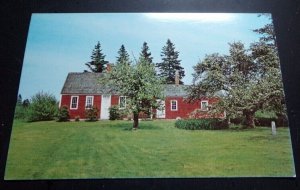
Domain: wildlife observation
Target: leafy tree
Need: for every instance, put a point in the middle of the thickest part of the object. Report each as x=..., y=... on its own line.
x=248, y=79
x=139, y=83
x=170, y=63
x=43, y=107
x=97, y=63
x=123, y=57
x=145, y=53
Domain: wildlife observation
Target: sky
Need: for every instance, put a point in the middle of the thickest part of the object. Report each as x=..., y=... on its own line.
x=61, y=43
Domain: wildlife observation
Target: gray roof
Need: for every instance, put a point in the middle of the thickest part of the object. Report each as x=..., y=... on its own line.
x=85, y=83
x=175, y=90
x=88, y=83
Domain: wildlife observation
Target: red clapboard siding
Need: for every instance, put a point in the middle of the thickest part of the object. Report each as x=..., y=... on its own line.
x=183, y=107
x=80, y=111
x=114, y=100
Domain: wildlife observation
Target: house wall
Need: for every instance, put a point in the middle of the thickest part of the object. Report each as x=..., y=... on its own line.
x=114, y=100
x=80, y=111
x=184, y=108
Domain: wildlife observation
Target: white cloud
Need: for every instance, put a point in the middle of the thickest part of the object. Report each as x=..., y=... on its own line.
x=192, y=17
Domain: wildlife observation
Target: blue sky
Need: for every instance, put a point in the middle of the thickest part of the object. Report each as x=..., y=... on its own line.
x=61, y=43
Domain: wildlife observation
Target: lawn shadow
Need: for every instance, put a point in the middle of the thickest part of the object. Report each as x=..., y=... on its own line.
x=127, y=126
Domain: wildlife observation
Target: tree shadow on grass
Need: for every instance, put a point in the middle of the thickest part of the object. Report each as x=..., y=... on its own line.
x=142, y=126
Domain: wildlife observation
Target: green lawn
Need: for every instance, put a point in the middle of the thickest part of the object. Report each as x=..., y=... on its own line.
x=106, y=149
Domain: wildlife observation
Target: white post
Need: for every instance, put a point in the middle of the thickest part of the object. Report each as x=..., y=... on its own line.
x=273, y=128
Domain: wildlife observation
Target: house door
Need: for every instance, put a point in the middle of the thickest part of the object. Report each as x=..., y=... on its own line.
x=161, y=112
x=105, y=104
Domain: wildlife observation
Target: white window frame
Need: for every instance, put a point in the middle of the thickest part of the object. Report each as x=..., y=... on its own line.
x=71, y=102
x=176, y=103
x=120, y=102
x=204, y=101
x=86, y=102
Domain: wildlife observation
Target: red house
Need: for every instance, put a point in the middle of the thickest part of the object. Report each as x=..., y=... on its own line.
x=83, y=90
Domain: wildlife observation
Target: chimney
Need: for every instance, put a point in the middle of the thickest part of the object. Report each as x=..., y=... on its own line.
x=176, y=77
x=108, y=67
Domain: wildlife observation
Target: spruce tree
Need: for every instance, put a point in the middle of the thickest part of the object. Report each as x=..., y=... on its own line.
x=170, y=63
x=97, y=63
x=145, y=53
x=123, y=57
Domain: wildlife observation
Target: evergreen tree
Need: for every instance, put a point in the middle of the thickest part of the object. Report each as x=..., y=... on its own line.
x=145, y=53
x=19, y=100
x=123, y=57
x=170, y=63
x=97, y=64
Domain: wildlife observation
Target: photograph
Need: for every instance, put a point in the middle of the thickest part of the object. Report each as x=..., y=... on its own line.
x=150, y=95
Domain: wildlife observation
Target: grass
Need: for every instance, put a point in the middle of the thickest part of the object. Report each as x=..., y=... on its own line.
x=110, y=149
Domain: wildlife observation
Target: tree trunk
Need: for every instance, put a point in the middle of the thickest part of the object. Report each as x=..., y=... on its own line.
x=135, y=120
x=249, y=118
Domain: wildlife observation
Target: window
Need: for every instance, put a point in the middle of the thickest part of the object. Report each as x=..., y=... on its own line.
x=122, y=102
x=173, y=105
x=89, y=101
x=204, y=105
x=74, y=102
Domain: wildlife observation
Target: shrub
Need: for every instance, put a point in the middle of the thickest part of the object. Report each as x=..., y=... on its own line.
x=43, y=107
x=20, y=112
x=237, y=120
x=63, y=114
x=114, y=113
x=260, y=121
x=196, y=124
x=77, y=118
x=91, y=114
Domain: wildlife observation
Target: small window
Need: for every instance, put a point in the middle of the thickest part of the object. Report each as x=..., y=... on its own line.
x=122, y=102
x=204, y=105
x=74, y=102
x=89, y=102
x=173, y=105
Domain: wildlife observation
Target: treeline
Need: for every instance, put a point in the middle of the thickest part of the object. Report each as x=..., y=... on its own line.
x=166, y=68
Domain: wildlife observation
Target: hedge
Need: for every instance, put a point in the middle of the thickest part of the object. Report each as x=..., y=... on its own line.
x=197, y=124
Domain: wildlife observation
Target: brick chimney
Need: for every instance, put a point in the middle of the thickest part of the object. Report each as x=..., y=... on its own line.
x=176, y=77
x=108, y=67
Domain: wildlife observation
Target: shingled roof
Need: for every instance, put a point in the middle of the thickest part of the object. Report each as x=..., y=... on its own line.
x=85, y=83
x=88, y=83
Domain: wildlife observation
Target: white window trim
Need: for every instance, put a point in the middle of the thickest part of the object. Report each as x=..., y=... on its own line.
x=120, y=102
x=176, y=105
x=76, y=103
x=86, y=98
x=204, y=109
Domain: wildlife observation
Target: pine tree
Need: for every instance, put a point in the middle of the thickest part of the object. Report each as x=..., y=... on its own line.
x=170, y=63
x=123, y=57
x=19, y=100
x=97, y=64
x=145, y=53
